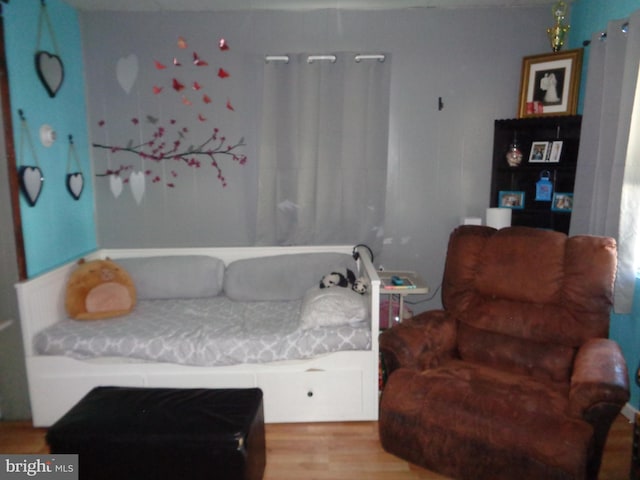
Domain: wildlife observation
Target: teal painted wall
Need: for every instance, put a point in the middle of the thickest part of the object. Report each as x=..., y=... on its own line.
x=58, y=228
x=588, y=17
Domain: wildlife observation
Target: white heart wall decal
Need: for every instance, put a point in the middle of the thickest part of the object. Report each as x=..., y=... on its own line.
x=31, y=181
x=75, y=184
x=50, y=71
x=115, y=184
x=136, y=181
x=127, y=72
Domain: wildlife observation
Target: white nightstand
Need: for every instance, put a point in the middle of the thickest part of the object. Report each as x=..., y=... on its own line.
x=413, y=284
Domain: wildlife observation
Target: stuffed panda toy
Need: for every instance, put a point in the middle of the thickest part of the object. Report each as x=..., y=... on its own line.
x=345, y=279
x=338, y=279
x=360, y=286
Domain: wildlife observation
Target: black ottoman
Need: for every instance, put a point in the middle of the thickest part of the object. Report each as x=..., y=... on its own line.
x=164, y=433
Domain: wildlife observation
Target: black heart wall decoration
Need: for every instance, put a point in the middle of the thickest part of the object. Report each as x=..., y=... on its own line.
x=75, y=184
x=31, y=181
x=50, y=71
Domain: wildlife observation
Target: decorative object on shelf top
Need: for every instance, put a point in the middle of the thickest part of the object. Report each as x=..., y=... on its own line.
x=559, y=30
x=514, y=154
x=550, y=83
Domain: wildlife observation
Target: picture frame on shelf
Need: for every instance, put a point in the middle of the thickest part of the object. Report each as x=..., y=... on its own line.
x=538, y=153
x=562, y=202
x=555, y=151
x=513, y=199
x=550, y=83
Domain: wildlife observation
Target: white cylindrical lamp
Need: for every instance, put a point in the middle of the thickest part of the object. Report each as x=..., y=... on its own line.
x=498, y=217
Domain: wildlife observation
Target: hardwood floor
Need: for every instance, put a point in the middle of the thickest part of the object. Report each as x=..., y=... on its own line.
x=336, y=451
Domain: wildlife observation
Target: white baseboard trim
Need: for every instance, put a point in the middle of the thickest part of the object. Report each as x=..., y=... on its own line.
x=629, y=412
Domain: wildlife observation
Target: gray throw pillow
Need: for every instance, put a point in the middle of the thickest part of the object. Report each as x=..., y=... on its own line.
x=281, y=277
x=177, y=276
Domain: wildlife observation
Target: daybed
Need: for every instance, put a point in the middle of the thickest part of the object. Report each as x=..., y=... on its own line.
x=211, y=292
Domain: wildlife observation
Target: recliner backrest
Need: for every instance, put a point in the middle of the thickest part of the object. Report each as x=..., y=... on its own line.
x=526, y=298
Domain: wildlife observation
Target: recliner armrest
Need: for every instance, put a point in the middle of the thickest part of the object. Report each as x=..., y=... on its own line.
x=420, y=342
x=599, y=376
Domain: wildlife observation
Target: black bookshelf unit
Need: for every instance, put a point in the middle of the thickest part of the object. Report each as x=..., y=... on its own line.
x=521, y=182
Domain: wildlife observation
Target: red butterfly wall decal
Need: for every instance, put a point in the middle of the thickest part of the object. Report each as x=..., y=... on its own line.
x=177, y=86
x=198, y=62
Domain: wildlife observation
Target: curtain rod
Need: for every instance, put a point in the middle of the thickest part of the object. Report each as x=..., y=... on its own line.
x=332, y=58
x=624, y=28
x=359, y=58
x=276, y=58
x=313, y=58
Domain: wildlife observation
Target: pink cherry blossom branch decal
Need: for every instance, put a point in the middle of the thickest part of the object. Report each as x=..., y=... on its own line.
x=159, y=149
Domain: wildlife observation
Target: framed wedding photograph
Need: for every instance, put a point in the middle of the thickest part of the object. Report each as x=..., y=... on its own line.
x=511, y=199
x=550, y=84
x=562, y=202
x=538, y=152
x=556, y=150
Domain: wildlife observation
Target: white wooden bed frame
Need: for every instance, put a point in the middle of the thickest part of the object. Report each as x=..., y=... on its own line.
x=341, y=386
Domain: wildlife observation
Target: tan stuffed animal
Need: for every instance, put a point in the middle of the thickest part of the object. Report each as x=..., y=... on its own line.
x=99, y=289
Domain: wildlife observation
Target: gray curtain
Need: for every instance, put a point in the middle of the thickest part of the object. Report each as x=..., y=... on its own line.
x=607, y=189
x=323, y=151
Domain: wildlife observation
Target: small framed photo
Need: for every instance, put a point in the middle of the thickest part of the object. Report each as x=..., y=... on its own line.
x=550, y=84
x=539, y=152
x=556, y=150
x=562, y=202
x=511, y=199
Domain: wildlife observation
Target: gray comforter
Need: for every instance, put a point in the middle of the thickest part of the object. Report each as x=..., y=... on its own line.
x=202, y=331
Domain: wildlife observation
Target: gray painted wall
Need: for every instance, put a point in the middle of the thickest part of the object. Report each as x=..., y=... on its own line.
x=439, y=161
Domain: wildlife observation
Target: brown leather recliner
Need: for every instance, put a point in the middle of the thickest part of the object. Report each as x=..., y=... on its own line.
x=514, y=378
